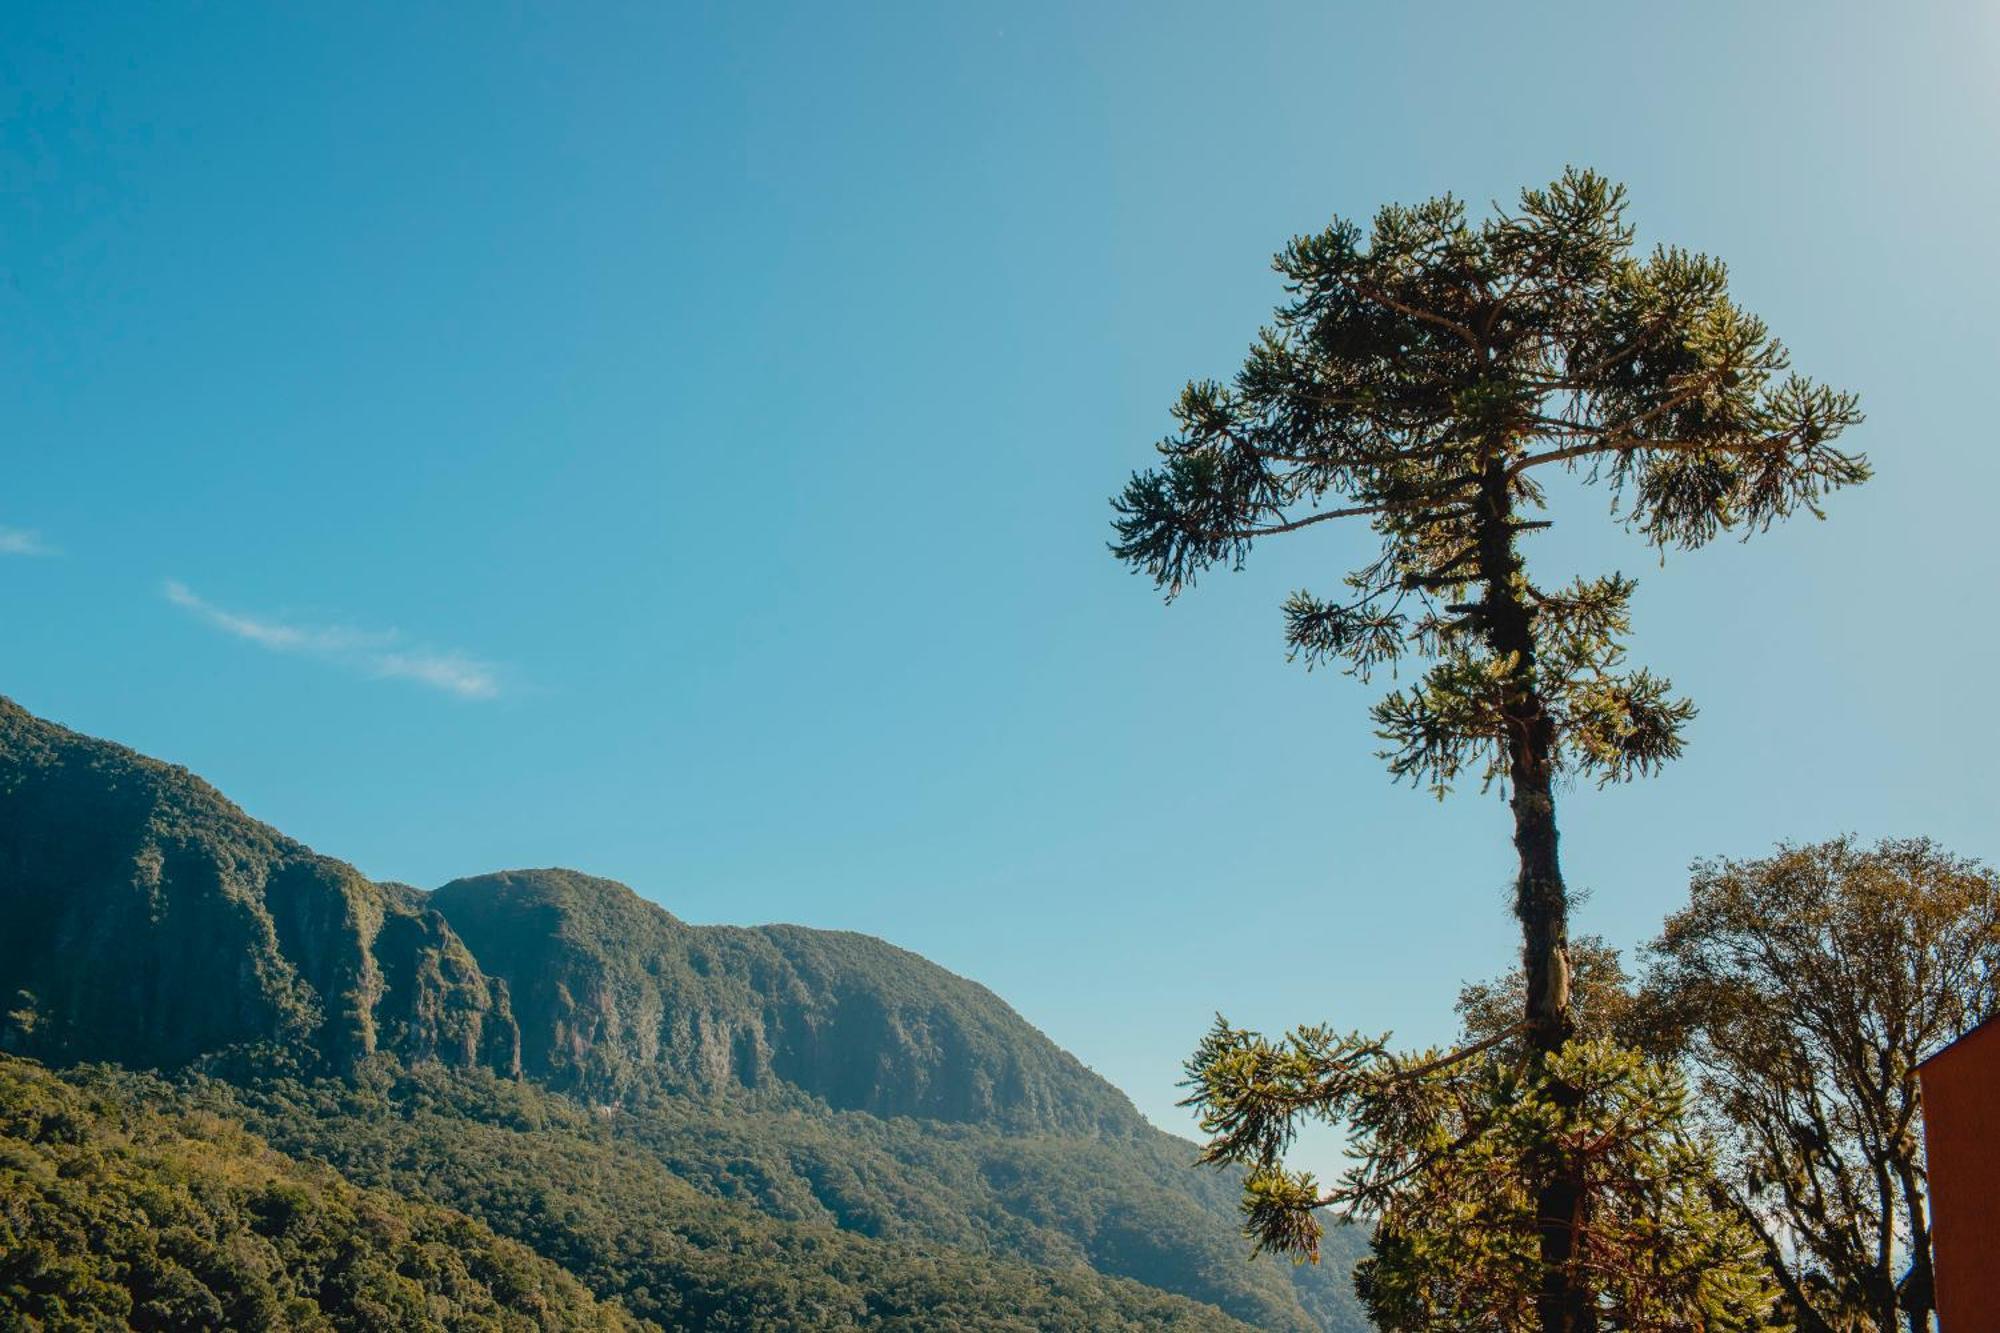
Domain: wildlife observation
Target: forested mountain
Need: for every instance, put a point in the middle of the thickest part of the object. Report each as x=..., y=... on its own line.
x=149, y=921
x=700, y=1126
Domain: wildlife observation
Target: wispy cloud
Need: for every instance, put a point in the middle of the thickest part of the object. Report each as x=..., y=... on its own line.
x=23, y=541
x=275, y=634
x=379, y=653
x=461, y=675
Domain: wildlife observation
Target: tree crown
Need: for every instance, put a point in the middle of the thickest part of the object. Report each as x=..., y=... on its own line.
x=1424, y=376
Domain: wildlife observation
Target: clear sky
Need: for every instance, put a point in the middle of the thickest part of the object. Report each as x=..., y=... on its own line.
x=673, y=441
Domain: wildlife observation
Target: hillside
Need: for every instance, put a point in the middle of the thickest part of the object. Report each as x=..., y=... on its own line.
x=678, y=1116
x=117, y=1215
x=121, y=1215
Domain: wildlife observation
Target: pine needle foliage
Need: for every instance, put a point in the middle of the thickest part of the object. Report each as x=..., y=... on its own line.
x=1425, y=375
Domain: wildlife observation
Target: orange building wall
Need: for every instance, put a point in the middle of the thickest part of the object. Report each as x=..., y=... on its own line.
x=1962, y=1147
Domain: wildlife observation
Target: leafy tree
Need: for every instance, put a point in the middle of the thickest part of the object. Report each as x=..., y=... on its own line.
x=1802, y=990
x=1427, y=376
x=1805, y=988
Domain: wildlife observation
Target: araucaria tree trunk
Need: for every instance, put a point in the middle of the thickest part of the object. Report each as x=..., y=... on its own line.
x=1507, y=620
x=1540, y=902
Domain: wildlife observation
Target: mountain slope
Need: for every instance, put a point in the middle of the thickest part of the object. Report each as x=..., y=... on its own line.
x=128, y=1202
x=642, y=1229
x=786, y=1076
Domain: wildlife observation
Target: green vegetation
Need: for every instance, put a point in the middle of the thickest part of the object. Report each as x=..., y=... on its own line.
x=1432, y=377
x=1455, y=1249
x=737, y=1220
x=114, y=1214
x=1439, y=1142
x=705, y=1126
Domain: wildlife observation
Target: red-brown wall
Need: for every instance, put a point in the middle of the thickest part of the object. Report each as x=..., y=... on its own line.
x=1962, y=1147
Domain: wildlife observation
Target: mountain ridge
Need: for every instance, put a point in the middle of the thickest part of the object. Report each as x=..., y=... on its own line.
x=815, y=1078
x=623, y=992
x=552, y=972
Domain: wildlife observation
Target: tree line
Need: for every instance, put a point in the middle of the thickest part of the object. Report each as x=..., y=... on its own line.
x=1733, y=1140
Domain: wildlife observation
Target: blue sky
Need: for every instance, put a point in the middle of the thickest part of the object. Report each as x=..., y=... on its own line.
x=674, y=442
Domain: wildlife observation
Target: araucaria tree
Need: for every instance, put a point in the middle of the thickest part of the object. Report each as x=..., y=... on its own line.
x=1429, y=376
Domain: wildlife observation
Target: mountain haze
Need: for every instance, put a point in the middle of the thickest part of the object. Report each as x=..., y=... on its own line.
x=721, y=1126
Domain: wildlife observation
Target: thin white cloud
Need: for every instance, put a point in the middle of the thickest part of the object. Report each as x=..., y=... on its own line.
x=377, y=653
x=24, y=541
x=461, y=675
x=275, y=634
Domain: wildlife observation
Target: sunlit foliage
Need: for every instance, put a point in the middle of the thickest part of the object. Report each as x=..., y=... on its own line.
x=1438, y=1143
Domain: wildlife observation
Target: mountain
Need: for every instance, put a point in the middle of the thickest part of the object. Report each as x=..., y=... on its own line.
x=707, y=1126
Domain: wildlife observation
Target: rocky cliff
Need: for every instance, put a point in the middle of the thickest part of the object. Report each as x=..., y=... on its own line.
x=614, y=992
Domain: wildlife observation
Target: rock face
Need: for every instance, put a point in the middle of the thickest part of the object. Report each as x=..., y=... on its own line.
x=146, y=920
x=613, y=992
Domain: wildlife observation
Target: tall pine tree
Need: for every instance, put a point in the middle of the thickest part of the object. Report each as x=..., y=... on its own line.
x=1426, y=376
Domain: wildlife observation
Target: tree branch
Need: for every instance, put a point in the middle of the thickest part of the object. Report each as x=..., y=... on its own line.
x=1326, y=515
x=1376, y=294
x=1464, y=1053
